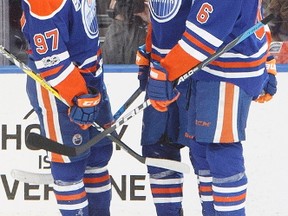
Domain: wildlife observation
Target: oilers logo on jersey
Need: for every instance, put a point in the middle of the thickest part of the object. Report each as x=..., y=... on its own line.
x=164, y=10
x=77, y=139
x=89, y=18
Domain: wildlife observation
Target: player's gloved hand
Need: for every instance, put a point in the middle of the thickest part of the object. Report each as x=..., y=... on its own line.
x=161, y=91
x=270, y=87
x=85, y=109
x=143, y=62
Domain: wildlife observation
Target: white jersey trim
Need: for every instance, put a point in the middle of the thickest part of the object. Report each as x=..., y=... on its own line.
x=191, y=51
x=53, y=60
x=234, y=75
x=204, y=34
x=261, y=52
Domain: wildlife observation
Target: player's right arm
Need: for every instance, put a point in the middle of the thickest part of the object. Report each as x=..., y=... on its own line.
x=205, y=34
x=45, y=25
x=270, y=87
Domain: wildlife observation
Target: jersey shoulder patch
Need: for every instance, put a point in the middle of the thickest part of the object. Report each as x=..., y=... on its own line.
x=45, y=8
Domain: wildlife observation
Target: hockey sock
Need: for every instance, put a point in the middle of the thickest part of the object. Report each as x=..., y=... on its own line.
x=98, y=187
x=206, y=194
x=229, y=196
x=71, y=198
x=167, y=192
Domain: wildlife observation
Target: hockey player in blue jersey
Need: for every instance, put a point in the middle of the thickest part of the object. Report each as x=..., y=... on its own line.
x=64, y=40
x=183, y=35
x=163, y=133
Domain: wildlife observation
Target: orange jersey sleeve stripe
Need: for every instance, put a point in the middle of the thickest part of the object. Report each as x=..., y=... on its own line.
x=70, y=197
x=178, y=62
x=45, y=7
x=88, y=70
x=240, y=64
x=51, y=72
x=155, y=57
x=99, y=52
x=22, y=20
x=198, y=43
x=148, y=41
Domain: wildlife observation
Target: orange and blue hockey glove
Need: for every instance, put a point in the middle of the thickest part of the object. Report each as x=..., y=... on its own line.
x=270, y=88
x=85, y=109
x=143, y=62
x=160, y=90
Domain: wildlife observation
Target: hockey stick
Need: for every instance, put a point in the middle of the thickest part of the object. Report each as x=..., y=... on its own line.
x=80, y=149
x=32, y=178
x=130, y=100
x=38, y=139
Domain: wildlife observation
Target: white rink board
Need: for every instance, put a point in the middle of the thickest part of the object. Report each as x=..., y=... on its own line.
x=266, y=153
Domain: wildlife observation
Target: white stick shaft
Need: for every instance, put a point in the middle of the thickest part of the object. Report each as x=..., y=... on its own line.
x=168, y=164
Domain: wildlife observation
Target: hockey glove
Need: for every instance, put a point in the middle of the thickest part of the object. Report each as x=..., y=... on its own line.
x=270, y=87
x=160, y=91
x=143, y=62
x=85, y=109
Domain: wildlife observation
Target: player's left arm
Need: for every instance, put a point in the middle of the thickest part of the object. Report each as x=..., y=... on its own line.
x=204, y=34
x=270, y=87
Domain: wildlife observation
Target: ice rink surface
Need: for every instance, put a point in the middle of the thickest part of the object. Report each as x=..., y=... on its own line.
x=266, y=155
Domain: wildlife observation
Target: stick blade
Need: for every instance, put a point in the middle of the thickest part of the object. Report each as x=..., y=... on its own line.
x=36, y=141
x=31, y=178
x=168, y=164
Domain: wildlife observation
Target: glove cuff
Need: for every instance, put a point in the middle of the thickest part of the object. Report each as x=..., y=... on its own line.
x=271, y=66
x=91, y=99
x=143, y=72
x=142, y=57
x=158, y=74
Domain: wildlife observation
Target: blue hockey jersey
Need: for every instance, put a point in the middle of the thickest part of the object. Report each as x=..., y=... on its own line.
x=185, y=33
x=63, y=36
